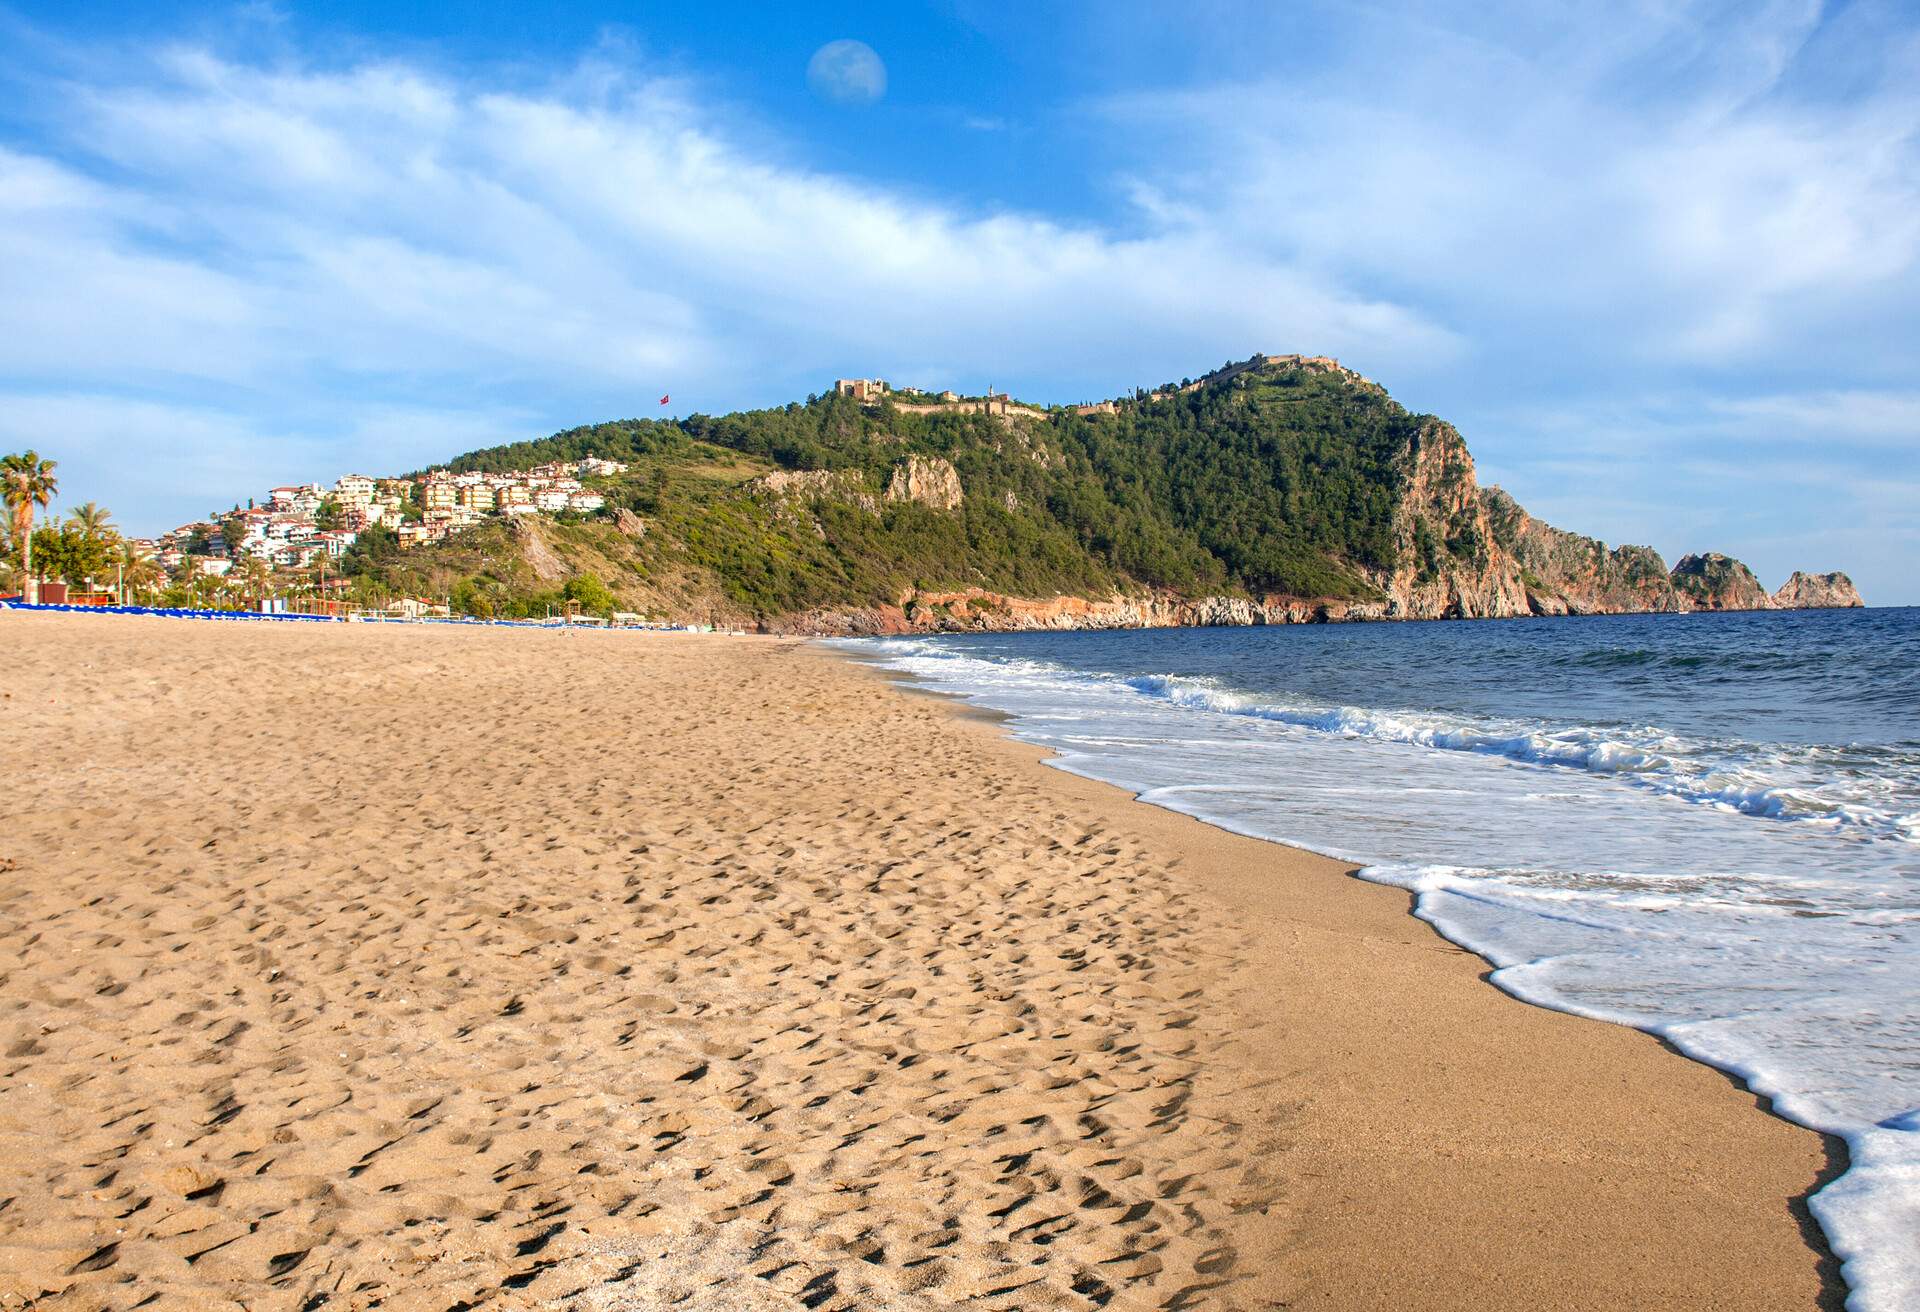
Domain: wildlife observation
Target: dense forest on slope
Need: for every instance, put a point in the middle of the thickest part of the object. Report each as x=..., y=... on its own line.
x=1276, y=478
x=1279, y=481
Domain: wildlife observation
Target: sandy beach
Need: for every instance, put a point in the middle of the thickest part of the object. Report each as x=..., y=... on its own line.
x=354, y=967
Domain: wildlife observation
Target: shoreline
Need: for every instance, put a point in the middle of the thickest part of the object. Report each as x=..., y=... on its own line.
x=445, y=964
x=941, y=614
x=1235, y=892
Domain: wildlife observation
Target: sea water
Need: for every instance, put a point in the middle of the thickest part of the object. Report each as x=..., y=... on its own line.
x=1704, y=826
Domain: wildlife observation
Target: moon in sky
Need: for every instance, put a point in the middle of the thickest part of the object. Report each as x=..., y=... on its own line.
x=847, y=73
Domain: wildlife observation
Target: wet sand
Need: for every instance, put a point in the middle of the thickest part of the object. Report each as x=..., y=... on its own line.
x=355, y=967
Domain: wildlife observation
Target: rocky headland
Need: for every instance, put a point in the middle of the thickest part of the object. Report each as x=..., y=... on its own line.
x=1275, y=490
x=1834, y=591
x=1464, y=552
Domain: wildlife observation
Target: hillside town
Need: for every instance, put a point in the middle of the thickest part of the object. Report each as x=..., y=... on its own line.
x=300, y=525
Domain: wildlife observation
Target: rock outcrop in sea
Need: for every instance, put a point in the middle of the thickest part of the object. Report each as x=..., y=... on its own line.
x=1834, y=591
x=1716, y=582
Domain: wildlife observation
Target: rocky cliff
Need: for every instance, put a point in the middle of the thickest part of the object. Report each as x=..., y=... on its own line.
x=977, y=610
x=929, y=480
x=1833, y=591
x=802, y=485
x=1449, y=564
x=1463, y=551
x=1572, y=574
x=1711, y=581
x=1468, y=552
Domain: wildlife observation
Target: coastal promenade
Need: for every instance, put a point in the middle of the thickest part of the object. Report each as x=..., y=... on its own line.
x=354, y=966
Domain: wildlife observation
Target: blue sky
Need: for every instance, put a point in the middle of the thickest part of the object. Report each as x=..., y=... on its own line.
x=1660, y=262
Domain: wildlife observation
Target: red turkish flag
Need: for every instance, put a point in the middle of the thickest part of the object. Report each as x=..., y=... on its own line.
x=663, y=400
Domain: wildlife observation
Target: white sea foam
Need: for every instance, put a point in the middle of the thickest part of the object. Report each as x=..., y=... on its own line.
x=1755, y=904
x=1663, y=761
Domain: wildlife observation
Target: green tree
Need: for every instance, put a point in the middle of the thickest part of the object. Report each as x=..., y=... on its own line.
x=102, y=546
x=233, y=531
x=139, y=572
x=374, y=546
x=592, y=595
x=67, y=551
x=327, y=516
x=467, y=598
x=94, y=520
x=27, y=484
x=184, y=587
x=256, y=578
x=191, y=587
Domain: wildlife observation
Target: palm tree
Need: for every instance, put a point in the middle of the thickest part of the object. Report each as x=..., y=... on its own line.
x=96, y=526
x=139, y=572
x=27, y=483
x=93, y=519
x=187, y=577
x=257, y=576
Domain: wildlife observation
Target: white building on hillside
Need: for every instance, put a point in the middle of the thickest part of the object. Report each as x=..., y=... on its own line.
x=354, y=492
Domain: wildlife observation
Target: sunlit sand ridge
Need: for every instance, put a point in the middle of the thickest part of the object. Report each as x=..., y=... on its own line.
x=496, y=970
x=430, y=968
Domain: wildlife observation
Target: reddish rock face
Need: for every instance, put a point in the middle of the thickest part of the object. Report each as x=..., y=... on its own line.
x=1571, y=574
x=1465, y=552
x=1449, y=563
x=1717, y=582
x=1833, y=591
x=979, y=611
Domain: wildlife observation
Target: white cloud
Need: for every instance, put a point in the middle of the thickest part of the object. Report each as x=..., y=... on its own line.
x=1859, y=417
x=1632, y=182
x=277, y=241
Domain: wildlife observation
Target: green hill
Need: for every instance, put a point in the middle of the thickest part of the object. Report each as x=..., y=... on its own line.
x=1273, y=489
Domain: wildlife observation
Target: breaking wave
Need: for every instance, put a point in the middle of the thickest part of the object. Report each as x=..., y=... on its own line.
x=1702, y=826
